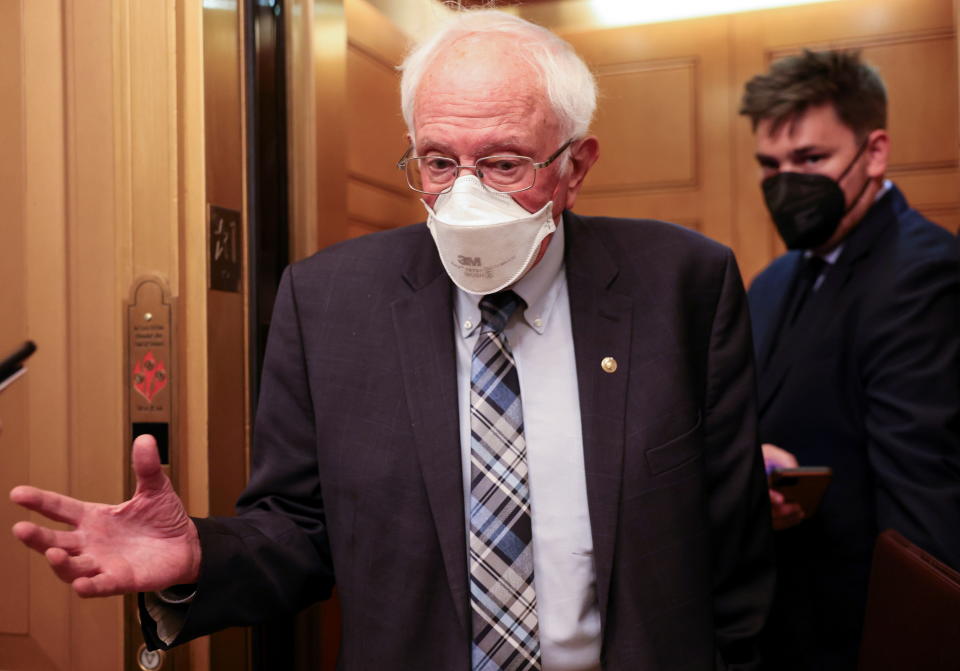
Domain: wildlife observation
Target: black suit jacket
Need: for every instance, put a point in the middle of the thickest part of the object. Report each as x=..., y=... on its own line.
x=357, y=473
x=868, y=383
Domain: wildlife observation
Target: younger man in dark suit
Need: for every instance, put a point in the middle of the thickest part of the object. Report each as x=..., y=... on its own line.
x=858, y=351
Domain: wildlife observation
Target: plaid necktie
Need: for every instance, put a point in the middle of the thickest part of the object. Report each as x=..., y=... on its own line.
x=501, y=553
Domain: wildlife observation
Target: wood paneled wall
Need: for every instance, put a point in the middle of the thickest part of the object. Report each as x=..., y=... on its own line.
x=673, y=146
x=663, y=153
x=101, y=181
x=345, y=124
x=377, y=195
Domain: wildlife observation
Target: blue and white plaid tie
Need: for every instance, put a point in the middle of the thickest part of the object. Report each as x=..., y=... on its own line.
x=505, y=629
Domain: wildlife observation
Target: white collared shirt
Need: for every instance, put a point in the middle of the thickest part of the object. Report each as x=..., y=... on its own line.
x=541, y=340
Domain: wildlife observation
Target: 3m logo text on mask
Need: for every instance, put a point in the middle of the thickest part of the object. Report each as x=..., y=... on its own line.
x=469, y=260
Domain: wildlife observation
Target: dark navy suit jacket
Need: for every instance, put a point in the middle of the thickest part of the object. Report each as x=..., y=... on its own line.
x=356, y=474
x=868, y=383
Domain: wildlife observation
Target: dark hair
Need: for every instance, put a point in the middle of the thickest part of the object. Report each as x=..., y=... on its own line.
x=813, y=78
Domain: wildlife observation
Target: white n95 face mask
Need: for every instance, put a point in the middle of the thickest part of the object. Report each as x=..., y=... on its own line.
x=486, y=240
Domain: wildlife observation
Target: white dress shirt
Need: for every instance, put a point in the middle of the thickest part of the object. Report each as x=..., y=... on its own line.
x=564, y=574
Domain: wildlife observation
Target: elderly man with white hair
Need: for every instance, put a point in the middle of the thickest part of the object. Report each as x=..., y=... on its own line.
x=515, y=437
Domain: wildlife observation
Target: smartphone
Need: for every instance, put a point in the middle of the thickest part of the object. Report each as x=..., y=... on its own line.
x=12, y=367
x=804, y=485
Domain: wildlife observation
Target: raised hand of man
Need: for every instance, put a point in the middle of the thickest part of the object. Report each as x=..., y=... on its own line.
x=145, y=544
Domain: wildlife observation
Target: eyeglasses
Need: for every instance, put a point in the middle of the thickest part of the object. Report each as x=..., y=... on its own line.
x=506, y=174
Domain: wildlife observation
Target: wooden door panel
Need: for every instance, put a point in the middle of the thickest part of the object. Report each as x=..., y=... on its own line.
x=922, y=110
x=377, y=196
x=375, y=130
x=90, y=190
x=650, y=107
x=373, y=207
x=35, y=620
x=662, y=152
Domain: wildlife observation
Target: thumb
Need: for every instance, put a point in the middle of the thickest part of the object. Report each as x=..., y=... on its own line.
x=146, y=464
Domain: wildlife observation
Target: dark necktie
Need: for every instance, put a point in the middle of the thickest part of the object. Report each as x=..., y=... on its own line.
x=810, y=270
x=505, y=626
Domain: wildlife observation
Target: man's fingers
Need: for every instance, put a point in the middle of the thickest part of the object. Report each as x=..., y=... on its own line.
x=778, y=457
x=787, y=510
x=146, y=464
x=41, y=539
x=57, y=507
x=70, y=568
x=787, y=515
x=794, y=510
x=32, y=536
x=102, y=584
x=790, y=519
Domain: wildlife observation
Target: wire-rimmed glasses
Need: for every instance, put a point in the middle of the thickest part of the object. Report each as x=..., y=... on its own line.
x=503, y=173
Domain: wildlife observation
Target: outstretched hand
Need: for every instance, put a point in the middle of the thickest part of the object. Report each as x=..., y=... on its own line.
x=145, y=544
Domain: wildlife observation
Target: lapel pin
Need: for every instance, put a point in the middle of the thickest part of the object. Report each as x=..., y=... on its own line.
x=608, y=364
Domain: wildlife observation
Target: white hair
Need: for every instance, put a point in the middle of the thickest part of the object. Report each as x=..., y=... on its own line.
x=568, y=82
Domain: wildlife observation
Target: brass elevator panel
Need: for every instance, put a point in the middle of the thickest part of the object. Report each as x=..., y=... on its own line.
x=150, y=389
x=151, y=367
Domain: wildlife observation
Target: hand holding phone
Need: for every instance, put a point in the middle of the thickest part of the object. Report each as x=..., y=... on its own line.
x=12, y=367
x=804, y=485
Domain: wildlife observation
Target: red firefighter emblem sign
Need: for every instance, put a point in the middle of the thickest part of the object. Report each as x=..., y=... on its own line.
x=149, y=376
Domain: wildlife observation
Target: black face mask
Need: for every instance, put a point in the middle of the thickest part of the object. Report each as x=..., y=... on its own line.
x=807, y=208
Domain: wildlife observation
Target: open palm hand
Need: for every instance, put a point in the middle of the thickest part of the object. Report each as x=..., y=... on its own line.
x=144, y=544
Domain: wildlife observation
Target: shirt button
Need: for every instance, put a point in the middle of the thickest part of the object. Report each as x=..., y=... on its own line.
x=538, y=323
x=468, y=324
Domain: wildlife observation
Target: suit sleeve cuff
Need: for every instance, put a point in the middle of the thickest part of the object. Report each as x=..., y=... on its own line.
x=167, y=610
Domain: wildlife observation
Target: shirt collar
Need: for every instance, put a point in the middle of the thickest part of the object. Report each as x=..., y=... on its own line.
x=830, y=257
x=538, y=289
x=887, y=185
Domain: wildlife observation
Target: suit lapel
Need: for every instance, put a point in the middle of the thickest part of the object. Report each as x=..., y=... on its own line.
x=790, y=344
x=771, y=361
x=767, y=332
x=424, y=333
x=601, y=322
